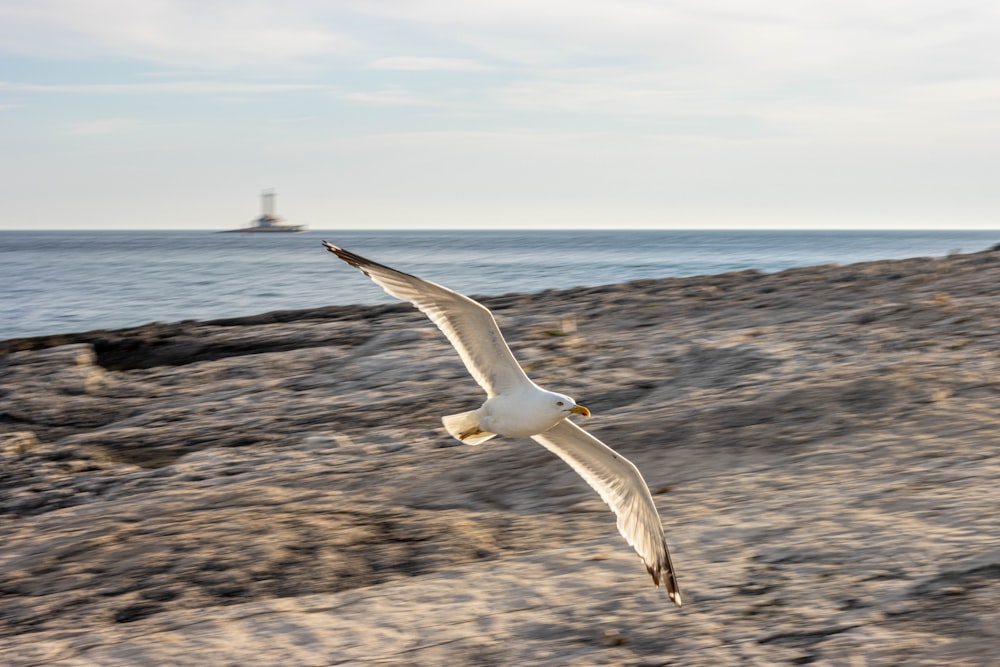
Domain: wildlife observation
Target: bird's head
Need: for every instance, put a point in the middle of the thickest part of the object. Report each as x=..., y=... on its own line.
x=567, y=405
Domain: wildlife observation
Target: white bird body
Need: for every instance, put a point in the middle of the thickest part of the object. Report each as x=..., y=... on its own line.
x=525, y=413
x=517, y=407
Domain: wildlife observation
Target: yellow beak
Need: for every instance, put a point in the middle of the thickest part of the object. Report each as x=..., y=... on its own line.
x=580, y=410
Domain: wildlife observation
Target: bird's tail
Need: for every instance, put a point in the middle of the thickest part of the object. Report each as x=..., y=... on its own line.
x=465, y=427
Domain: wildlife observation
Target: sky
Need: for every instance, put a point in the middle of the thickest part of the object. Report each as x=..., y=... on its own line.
x=399, y=114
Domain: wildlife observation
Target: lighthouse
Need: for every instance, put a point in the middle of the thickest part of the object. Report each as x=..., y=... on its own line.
x=269, y=221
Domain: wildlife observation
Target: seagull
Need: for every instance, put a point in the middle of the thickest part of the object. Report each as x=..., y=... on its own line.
x=517, y=407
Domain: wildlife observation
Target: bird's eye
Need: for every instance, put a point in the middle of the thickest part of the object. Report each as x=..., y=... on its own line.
x=560, y=403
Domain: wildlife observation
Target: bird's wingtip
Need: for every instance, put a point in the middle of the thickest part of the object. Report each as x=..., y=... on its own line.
x=357, y=261
x=669, y=582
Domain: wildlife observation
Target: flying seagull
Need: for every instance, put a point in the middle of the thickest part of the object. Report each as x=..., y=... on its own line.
x=517, y=407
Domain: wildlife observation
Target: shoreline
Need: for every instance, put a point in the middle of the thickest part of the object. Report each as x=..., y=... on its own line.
x=820, y=441
x=60, y=311
x=110, y=343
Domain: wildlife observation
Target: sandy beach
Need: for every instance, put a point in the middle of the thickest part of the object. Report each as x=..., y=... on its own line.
x=278, y=490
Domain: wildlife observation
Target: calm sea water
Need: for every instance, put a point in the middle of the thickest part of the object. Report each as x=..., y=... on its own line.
x=59, y=282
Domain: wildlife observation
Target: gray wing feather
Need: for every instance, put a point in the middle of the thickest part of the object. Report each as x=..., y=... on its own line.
x=622, y=487
x=467, y=324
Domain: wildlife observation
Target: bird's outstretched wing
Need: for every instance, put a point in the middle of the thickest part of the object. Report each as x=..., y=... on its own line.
x=468, y=324
x=621, y=486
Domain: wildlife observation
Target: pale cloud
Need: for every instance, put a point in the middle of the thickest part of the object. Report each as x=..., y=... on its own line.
x=172, y=87
x=759, y=44
x=605, y=91
x=942, y=117
x=104, y=126
x=390, y=97
x=174, y=33
x=418, y=64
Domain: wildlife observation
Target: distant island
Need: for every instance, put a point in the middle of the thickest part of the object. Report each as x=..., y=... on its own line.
x=268, y=221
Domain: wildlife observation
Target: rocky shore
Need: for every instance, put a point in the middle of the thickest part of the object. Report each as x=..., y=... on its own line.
x=822, y=444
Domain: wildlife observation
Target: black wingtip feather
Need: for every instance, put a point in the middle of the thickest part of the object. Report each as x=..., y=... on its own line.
x=361, y=263
x=669, y=579
x=357, y=261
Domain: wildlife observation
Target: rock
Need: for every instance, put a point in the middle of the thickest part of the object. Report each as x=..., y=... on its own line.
x=78, y=354
x=15, y=443
x=279, y=490
x=321, y=442
x=66, y=369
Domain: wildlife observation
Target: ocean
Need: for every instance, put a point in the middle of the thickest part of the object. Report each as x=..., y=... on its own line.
x=69, y=281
